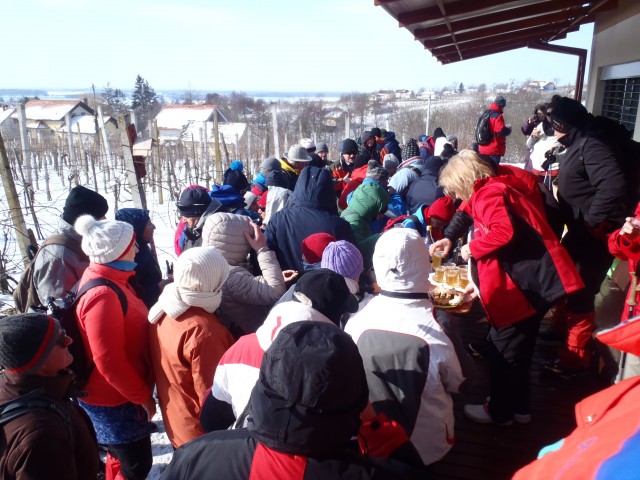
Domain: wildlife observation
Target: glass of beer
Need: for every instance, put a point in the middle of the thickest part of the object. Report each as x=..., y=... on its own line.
x=463, y=277
x=438, y=274
x=451, y=276
x=436, y=259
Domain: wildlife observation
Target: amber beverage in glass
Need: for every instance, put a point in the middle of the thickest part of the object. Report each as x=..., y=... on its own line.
x=436, y=259
x=438, y=274
x=451, y=276
x=463, y=278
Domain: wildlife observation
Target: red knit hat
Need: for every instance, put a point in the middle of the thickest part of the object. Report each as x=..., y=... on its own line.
x=442, y=209
x=314, y=245
x=262, y=200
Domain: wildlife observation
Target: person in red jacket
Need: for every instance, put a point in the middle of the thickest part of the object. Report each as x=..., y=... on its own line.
x=119, y=397
x=624, y=244
x=341, y=169
x=606, y=442
x=499, y=131
x=521, y=270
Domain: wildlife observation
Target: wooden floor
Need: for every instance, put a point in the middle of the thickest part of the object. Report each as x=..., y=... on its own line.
x=490, y=452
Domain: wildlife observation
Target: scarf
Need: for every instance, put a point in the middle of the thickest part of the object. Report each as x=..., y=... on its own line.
x=175, y=300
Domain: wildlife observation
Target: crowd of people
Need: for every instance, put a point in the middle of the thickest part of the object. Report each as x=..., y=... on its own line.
x=297, y=335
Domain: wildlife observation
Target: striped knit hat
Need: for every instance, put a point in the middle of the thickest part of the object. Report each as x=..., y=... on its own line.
x=26, y=340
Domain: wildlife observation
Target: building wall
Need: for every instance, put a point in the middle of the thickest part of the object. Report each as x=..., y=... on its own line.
x=616, y=41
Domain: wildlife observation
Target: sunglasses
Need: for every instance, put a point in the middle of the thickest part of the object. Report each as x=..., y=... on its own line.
x=559, y=126
x=63, y=339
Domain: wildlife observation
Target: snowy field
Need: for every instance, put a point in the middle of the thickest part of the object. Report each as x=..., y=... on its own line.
x=163, y=216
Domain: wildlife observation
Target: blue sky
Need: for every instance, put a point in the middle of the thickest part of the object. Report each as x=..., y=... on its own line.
x=244, y=45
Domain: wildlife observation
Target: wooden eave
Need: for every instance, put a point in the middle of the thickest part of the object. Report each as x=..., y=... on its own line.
x=455, y=30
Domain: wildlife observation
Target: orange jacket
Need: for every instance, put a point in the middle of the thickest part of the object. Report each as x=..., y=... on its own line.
x=185, y=353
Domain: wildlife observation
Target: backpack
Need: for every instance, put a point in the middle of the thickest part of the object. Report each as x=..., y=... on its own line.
x=34, y=400
x=64, y=310
x=483, y=133
x=626, y=150
x=25, y=295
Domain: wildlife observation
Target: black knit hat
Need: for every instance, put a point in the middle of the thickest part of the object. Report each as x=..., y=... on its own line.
x=236, y=179
x=327, y=292
x=276, y=179
x=376, y=131
x=349, y=146
x=26, y=340
x=500, y=101
x=568, y=113
x=82, y=201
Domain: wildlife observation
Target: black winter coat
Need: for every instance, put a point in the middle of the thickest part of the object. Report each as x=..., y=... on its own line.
x=592, y=188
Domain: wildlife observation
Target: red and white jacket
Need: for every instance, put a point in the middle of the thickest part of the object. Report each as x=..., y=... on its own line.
x=239, y=367
x=528, y=253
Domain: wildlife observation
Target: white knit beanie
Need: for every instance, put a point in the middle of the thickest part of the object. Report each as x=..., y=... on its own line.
x=201, y=269
x=198, y=277
x=225, y=232
x=104, y=240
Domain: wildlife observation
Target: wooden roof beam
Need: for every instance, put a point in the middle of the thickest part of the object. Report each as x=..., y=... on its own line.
x=431, y=13
x=480, y=21
x=537, y=34
x=560, y=19
x=596, y=6
x=445, y=59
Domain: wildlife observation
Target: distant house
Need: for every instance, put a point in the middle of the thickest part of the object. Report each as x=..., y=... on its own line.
x=384, y=95
x=426, y=95
x=85, y=126
x=8, y=124
x=403, y=94
x=194, y=123
x=331, y=117
x=48, y=118
x=542, y=85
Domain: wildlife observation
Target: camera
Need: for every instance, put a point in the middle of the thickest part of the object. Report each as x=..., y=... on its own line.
x=550, y=158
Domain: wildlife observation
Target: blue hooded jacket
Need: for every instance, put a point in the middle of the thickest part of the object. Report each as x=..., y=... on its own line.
x=227, y=196
x=392, y=145
x=313, y=210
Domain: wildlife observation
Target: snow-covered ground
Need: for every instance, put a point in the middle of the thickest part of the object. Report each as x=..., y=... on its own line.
x=163, y=216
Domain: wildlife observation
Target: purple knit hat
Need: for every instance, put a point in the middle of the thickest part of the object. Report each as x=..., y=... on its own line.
x=344, y=258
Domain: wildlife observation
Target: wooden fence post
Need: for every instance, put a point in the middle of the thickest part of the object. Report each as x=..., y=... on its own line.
x=14, y=204
x=135, y=183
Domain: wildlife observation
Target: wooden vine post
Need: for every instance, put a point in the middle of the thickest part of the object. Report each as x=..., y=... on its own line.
x=20, y=226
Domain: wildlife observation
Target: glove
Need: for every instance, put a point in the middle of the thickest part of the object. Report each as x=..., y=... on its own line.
x=380, y=437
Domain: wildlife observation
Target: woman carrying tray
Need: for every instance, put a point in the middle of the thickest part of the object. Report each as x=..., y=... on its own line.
x=522, y=269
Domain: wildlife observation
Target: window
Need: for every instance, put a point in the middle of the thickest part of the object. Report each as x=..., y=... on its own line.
x=620, y=100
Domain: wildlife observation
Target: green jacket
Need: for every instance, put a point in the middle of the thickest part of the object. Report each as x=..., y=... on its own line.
x=367, y=201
